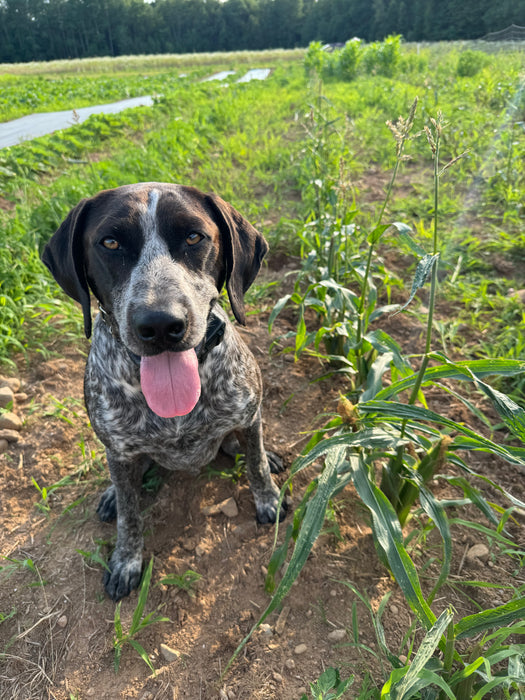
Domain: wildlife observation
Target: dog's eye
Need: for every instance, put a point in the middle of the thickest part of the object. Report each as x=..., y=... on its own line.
x=193, y=238
x=110, y=243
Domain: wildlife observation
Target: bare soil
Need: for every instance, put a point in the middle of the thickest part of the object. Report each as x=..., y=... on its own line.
x=58, y=643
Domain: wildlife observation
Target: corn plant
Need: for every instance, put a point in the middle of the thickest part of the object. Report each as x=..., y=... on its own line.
x=138, y=623
x=490, y=667
x=185, y=582
x=336, y=281
x=409, y=445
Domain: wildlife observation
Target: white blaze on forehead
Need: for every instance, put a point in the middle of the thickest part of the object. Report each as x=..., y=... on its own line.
x=154, y=244
x=149, y=214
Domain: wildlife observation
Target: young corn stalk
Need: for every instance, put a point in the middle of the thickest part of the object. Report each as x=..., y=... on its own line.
x=411, y=442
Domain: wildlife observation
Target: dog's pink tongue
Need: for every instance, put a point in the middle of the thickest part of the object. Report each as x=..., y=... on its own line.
x=170, y=382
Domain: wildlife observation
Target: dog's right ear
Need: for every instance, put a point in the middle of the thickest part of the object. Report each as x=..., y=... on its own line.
x=64, y=256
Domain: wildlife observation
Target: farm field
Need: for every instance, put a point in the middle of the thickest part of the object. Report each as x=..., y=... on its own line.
x=402, y=429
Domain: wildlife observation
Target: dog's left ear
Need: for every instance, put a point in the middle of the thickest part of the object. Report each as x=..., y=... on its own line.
x=64, y=257
x=243, y=249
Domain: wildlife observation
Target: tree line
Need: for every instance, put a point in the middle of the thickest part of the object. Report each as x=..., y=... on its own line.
x=39, y=30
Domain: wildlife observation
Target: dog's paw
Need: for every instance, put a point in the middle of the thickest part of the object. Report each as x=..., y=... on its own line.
x=123, y=575
x=107, y=506
x=275, y=463
x=266, y=509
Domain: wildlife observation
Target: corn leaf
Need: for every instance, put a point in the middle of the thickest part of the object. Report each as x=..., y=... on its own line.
x=279, y=306
x=143, y=596
x=423, y=268
x=472, y=440
x=472, y=625
x=480, y=368
x=412, y=679
x=389, y=536
x=327, y=484
x=435, y=511
x=368, y=437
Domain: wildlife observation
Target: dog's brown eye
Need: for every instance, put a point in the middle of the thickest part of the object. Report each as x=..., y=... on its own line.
x=194, y=238
x=110, y=243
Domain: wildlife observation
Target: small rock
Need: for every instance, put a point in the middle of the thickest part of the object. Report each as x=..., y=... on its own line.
x=333, y=593
x=229, y=508
x=223, y=695
x=290, y=664
x=281, y=621
x=21, y=397
x=519, y=294
x=12, y=382
x=264, y=571
x=403, y=659
x=6, y=396
x=289, y=358
x=300, y=649
x=211, y=510
x=90, y=692
x=277, y=677
x=168, y=653
x=189, y=544
x=9, y=435
x=200, y=551
x=266, y=630
x=478, y=552
x=337, y=635
x=9, y=421
x=3, y=445
x=394, y=609
x=62, y=621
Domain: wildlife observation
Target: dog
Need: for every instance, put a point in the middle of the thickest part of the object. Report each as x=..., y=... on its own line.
x=168, y=379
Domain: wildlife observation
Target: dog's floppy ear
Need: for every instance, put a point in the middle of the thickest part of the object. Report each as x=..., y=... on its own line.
x=243, y=250
x=64, y=256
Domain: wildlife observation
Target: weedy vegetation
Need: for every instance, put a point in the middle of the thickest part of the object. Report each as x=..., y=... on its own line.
x=139, y=622
x=429, y=248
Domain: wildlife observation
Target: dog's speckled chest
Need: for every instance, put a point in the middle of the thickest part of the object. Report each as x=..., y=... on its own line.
x=124, y=423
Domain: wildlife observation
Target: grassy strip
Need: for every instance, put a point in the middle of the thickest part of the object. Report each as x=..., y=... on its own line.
x=230, y=140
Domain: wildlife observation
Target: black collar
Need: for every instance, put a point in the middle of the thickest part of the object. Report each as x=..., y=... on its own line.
x=214, y=334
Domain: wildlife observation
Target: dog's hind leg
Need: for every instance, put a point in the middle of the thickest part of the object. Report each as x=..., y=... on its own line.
x=258, y=471
x=232, y=447
x=125, y=564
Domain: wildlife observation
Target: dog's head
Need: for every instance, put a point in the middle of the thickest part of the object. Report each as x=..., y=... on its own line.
x=155, y=256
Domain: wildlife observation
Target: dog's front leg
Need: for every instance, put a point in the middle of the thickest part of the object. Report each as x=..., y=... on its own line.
x=265, y=492
x=125, y=564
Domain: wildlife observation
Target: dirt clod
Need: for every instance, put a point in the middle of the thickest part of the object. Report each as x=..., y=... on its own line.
x=12, y=382
x=229, y=508
x=337, y=635
x=6, y=396
x=478, y=552
x=9, y=435
x=10, y=421
x=169, y=654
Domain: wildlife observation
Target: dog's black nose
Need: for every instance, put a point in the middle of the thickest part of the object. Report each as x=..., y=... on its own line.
x=159, y=327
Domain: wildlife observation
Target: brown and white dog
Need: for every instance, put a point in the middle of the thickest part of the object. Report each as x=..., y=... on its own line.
x=168, y=379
